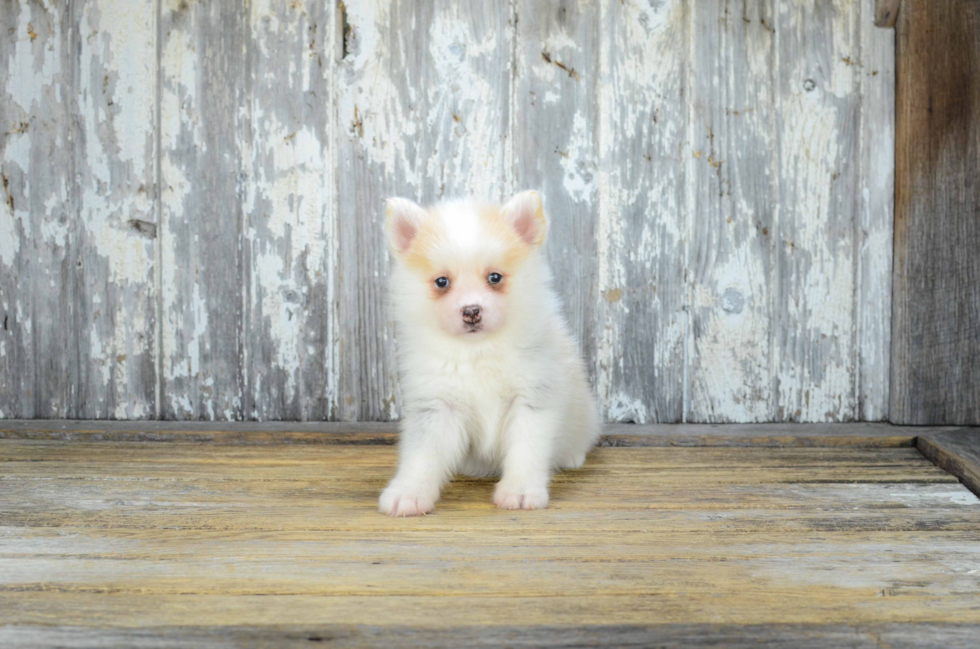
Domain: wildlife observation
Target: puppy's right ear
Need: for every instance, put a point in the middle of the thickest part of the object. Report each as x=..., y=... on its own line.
x=402, y=221
x=526, y=213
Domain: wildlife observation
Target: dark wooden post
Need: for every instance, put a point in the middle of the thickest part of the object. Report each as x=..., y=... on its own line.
x=936, y=285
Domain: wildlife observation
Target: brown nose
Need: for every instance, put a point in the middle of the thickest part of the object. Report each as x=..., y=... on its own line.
x=471, y=314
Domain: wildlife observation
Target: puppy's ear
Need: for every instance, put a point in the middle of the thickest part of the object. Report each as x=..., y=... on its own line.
x=526, y=213
x=402, y=221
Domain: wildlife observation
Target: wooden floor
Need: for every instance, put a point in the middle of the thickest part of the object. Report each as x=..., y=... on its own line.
x=246, y=540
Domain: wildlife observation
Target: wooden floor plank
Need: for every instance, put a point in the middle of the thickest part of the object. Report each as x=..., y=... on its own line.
x=47, y=450
x=397, y=571
x=957, y=452
x=803, y=606
x=862, y=435
x=115, y=543
x=667, y=636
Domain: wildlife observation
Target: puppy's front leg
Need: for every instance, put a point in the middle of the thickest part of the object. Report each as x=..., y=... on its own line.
x=430, y=448
x=527, y=463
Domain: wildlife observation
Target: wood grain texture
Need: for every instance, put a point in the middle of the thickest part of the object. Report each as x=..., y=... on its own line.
x=729, y=262
x=138, y=538
x=640, y=372
x=203, y=237
x=936, y=315
x=669, y=636
x=876, y=213
x=114, y=220
x=817, y=120
x=555, y=132
x=957, y=452
x=361, y=433
x=38, y=364
x=886, y=12
x=423, y=100
x=202, y=276
x=290, y=203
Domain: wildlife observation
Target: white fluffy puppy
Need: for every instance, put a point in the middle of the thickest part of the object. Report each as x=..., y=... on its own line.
x=493, y=383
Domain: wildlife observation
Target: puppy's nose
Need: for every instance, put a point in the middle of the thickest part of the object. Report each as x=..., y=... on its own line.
x=471, y=314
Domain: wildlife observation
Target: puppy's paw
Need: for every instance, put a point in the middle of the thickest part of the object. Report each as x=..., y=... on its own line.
x=520, y=497
x=398, y=501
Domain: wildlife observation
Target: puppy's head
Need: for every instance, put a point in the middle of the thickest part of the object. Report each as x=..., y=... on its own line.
x=463, y=263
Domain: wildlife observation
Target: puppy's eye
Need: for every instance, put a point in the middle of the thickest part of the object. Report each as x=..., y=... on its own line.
x=495, y=278
x=442, y=282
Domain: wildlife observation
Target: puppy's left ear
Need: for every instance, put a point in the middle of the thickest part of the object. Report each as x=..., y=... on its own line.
x=526, y=213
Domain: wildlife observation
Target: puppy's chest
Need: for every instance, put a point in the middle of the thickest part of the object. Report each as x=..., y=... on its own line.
x=486, y=395
x=475, y=386
x=483, y=384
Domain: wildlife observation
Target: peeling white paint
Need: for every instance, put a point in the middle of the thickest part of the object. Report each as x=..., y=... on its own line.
x=795, y=330
x=34, y=57
x=463, y=93
x=296, y=190
x=291, y=214
x=297, y=209
x=99, y=355
x=640, y=71
x=9, y=239
x=184, y=316
x=622, y=408
x=814, y=359
x=874, y=305
x=369, y=104
x=577, y=162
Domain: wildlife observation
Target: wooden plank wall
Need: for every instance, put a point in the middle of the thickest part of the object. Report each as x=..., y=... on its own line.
x=936, y=339
x=192, y=218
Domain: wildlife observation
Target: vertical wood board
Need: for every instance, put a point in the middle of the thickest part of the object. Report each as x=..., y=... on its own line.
x=817, y=107
x=875, y=219
x=38, y=363
x=202, y=279
x=730, y=232
x=936, y=315
x=290, y=201
x=643, y=211
x=555, y=131
x=114, y=212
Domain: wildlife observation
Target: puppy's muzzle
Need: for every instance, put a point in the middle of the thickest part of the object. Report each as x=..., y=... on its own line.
x=471, y=314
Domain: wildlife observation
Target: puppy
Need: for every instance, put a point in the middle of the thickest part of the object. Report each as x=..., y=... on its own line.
x=492, y=380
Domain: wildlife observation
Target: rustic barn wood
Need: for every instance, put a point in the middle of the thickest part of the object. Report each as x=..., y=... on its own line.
x=866, y=435
x=166, y=542
x=641, y=294
x=730, y=256
x=38, y=363
x=886, y=12
x=936, y=317
x=555, y=137
x=203, y=260
x=668, y=636
x=957, y=451
x=290, y=212
x=874, y=234
x=192, y=228
x=113, y=231
x=816, y=105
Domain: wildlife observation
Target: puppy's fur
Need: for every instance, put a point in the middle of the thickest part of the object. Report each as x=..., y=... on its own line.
x=493, y=383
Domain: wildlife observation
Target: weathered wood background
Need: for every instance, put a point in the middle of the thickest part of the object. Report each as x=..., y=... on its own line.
x=936, y=343
x=192, y=193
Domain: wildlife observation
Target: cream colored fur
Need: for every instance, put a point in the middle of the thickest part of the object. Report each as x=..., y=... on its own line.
x=506, y=396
